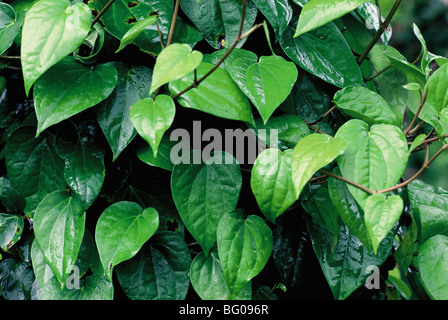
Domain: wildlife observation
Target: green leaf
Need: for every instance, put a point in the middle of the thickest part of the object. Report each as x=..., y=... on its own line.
x=425, y=54
x=135, y=30
x=159, y=271
x=311, y=154
x=271, y=182
x=204, y=191
x=113, y=113
x=217, y=95
x=124, y=14
x=345, y=266
x=433, y=266
x=433, y=221
x=381, y=214
x=59, y=229
x=361, y=103
x=92, y=45
x=349, y=211
x=33, y=166
x=319, y=52
x=121, y=231
x=207, y=278
x=244, y=247
x=375, y=157
x=84, y=169
x=151, y=118
x=9, y=197
x=278, y=13
x=173, y=63
x=317, y=13
x=52, y=30
x=163, y=159
x=266, y=83
x=11, y=227
x=16, y=280
x=10, y=25
x=417, y=142
x=69, y=88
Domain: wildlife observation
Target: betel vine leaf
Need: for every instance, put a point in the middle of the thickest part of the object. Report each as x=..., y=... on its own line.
x=220, y=149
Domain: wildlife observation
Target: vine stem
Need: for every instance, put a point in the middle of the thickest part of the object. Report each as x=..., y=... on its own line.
x=173, y=23
x=9, y=57
x=100, y=14
x=422, y=103
x=380, y=31
x=239, y=37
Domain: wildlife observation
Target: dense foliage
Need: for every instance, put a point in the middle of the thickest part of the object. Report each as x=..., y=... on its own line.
x=120, y=178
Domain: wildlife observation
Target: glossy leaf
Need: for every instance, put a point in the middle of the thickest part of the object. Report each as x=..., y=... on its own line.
x=271, y=182
x=278, y=13
x=163, y=159
x=9, y=26
x=135, y=31
x=11, y=227
x=59, y=229
x=124, y=14
x=266, y=83
x=52, y=30
x=151, y=118
x=433, y=266
x=207, y=278
x=121, y=231
x=173, y=63
x=69, y=88
x=366, y=105
x=244, y=247
x=376, y=157
x=84, y=168
x=204, y=192
x=159, y=271
x=433, y=221
x=34, y=168
x=345, y=266
x=319, y=52
x=317, y=13
x=9, y=197
x=381, y=214
x=113, y=113
x=311, y=154
x=217, y=95
x=16, y=280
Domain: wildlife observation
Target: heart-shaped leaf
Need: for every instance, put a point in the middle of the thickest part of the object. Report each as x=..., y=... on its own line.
x=69, y=88
x=266, y=83
x=217, y=95
x=151, y=118
x=52, y=30
x=433, y=266
x=271, y=182
x=174, y=62
x=59, y=229
x=204, y=192
x=311, y=154
x=380, y=215
x=317, y=13
x=121, y=231
x=244, y=247
x=376, y=157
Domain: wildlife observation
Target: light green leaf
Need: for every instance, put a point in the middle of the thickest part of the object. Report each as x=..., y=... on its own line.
x=69, y=88
x=361, y=103
x=204, y=191
x=380, y=215
x=59, y=229
x=376, y=157
x=135, y=30
x=151, y=118
x=266, y=83
x=52, y=30
x=173, y=63
x=317, y=13
x=244, y=247
x=217, y=95
x=207, y=278
x=121, y=231
x=311, y=154
x=271, y=182
x=433, y=266
x=417, y=142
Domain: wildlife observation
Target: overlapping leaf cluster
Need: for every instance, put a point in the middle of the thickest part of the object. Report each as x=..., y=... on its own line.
x=349, y=113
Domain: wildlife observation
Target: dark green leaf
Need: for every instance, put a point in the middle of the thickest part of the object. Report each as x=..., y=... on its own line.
x=16, y=280
x=278, y=13
x=11, y=227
